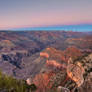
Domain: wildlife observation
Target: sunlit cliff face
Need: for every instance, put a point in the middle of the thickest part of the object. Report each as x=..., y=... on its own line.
x=55, y=64
x=54, y=58
x=44, y=54
x=61, y=55
x=75, y=72
x=59, y=58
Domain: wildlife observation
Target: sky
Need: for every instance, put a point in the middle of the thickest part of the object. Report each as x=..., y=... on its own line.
x=19, y=14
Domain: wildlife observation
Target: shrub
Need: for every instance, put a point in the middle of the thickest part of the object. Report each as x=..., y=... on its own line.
x=10, y=84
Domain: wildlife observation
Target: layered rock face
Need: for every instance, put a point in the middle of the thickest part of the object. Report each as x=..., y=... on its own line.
x=71, y=75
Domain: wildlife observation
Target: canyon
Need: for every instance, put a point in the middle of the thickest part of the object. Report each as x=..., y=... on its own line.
x=37, y=56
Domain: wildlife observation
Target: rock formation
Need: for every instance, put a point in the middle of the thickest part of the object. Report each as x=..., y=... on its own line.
x=72, y=75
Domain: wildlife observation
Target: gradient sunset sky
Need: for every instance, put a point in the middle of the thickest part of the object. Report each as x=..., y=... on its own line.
x=43, y=13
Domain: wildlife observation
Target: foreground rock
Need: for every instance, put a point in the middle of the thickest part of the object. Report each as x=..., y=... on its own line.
x=73, y=75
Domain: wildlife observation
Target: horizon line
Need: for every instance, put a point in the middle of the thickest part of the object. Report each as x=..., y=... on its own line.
x=73, y=27
x=36, y=26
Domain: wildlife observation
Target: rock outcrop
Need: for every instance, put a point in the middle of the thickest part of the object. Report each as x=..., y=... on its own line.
x=71, y=75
